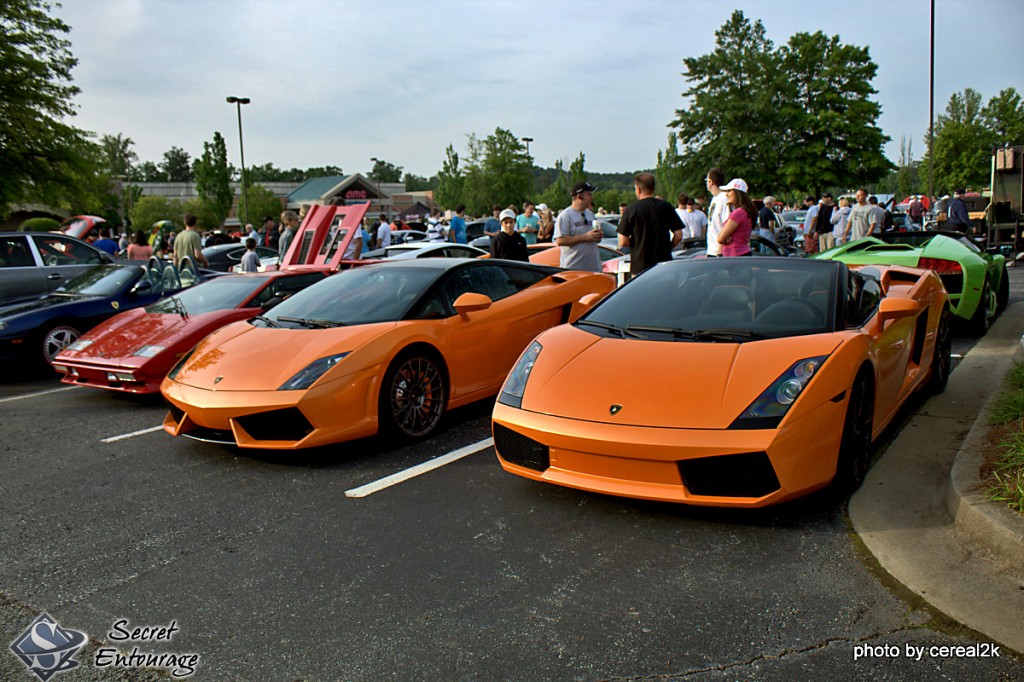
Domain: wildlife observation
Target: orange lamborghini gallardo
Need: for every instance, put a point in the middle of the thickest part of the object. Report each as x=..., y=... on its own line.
x=740, y=382
x=386, y=347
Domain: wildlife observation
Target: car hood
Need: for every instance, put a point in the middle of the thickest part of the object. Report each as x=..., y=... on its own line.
x=242, y=357
x=687, y=385
x=124, y=334
x=47, y=302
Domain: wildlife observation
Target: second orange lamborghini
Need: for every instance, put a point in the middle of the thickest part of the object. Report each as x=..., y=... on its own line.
x=744, y=382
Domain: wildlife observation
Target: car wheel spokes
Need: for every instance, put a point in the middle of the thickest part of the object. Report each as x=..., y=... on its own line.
x=417, y=396
x=57, y=340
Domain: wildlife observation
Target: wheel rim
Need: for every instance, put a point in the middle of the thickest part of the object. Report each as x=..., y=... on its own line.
x=417, y=396
x=859, y=429
x=56, y=340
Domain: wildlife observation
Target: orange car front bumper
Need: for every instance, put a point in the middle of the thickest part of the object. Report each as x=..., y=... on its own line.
x=720, y=468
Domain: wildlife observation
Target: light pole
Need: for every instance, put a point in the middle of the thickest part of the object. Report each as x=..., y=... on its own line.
x=527, y=140
x=380, y=201
x=238, y=102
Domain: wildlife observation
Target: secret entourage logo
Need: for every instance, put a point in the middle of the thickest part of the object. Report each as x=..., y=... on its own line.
x=46, y=648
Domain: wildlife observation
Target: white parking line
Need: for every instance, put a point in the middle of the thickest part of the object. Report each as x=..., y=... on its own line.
x=33, y=395
x=412, y=472
x=143, y=432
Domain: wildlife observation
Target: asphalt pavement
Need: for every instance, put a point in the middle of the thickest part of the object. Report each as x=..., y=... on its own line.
x=271, y=572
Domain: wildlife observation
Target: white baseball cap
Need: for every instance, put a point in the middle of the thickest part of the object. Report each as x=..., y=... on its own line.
x=735, y=183
x=507, y=213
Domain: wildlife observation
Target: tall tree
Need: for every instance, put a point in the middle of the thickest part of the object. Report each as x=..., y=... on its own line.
x=506, y=168
x=556, y=196
x=733, y=119
x=118, y=156
x=177, y=165
x=41, y=157
x=449, y=180
x=321, y=172
x=669, y=175
x=261, y=202
x=1004, y=117
x=962, y=148
x=147, y=171
x=213, y=182
x=830, y=137
x=385, y=172
x=415, y=183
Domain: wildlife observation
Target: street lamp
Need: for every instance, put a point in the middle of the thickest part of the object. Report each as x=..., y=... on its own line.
x=380, y=201
x=238, y=102
x=527, y=140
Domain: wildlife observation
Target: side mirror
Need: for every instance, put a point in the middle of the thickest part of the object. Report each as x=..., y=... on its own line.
x=471, y=303
x=897, y=308
x=583, y=305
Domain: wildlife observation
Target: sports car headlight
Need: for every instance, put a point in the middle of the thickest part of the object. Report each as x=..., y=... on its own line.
x=311, y=372
x=771, y=406
x=173, y=374
x=515, y=385
x=148, y=351
x=80, y=344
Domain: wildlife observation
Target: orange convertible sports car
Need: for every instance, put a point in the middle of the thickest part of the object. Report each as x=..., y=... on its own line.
x=745, y=381
x=388, y=346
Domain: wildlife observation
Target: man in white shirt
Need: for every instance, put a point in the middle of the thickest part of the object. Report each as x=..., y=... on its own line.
x=718, y=212
x=384, y=233
x=576, y=234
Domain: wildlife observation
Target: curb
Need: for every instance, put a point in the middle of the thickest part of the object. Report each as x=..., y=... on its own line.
x=988, y=524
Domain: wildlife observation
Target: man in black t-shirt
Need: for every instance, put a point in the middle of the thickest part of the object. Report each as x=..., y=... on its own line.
x=650, y=227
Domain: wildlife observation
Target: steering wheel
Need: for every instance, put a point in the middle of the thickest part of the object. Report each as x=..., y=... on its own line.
x=51, y=260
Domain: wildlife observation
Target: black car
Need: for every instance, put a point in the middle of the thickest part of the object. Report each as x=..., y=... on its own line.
x=32, y=264
x=223, y=257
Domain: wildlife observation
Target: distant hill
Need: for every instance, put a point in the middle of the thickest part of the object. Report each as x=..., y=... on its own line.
x=543, y=177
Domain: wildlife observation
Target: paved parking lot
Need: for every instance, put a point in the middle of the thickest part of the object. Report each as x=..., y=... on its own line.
x=272, y=572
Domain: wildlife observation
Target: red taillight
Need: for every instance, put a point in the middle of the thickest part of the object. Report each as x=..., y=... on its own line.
x=941, y=266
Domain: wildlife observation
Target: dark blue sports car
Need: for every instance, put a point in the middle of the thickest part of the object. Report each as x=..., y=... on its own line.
x=40, y=328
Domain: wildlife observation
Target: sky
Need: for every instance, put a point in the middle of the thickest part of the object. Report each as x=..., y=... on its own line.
x=337, y=82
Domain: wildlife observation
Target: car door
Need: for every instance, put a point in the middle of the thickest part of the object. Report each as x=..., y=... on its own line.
x=20, y=274
x=64, y=258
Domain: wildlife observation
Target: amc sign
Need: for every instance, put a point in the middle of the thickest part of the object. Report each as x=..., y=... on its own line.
x=356, y=194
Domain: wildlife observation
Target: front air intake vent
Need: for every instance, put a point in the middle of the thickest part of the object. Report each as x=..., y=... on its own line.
x=745, y=475
x=515, y=448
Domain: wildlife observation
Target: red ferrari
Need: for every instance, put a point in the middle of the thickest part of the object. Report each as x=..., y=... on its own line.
x=132, y=352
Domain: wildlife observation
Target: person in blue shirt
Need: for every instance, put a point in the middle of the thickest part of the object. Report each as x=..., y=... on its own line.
x=457, y=228
x=105, y=243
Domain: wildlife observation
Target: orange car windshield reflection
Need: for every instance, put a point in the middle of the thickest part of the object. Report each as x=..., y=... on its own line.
x=729, y=300
x=363, y=295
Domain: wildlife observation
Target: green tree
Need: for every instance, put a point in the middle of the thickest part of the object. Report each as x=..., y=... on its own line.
x=147, y=171
x=907, y=180
x=321, y=172
x=669, y=175
x=385, y=172
x=733, y=119
x=177, y=165
x=152, y=209
x=506, y=168
x=556, y=196
x=118, y=155
x=829, y=133
x=962, y=147
x=1004, y=117
x=474, y=191
x=261, y=202
x=213, y=182
x=449, y=180
x=41, y=157
x=415, y=183
x=577, y=172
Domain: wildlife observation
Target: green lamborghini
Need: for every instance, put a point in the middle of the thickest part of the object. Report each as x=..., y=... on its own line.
x=976, y=281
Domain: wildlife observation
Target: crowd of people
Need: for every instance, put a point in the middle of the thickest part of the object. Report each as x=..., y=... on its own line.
x=649, y=227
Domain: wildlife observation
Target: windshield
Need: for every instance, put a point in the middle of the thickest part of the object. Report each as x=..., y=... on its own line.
x=373, y=293
x=722, y=299
x=220, y=293
x=103, y=280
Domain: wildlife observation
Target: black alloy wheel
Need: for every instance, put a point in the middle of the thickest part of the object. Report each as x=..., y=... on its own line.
x=978, y=324
x=942, y=358
x=413, y=397
x=1003, y=297
x=855, y=446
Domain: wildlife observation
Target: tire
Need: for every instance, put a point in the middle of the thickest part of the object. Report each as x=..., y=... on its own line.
x=1003, y=296
x=855, y=446
x=942, y=358
x=54, y=340
x=978, y=324
x=413, y=397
